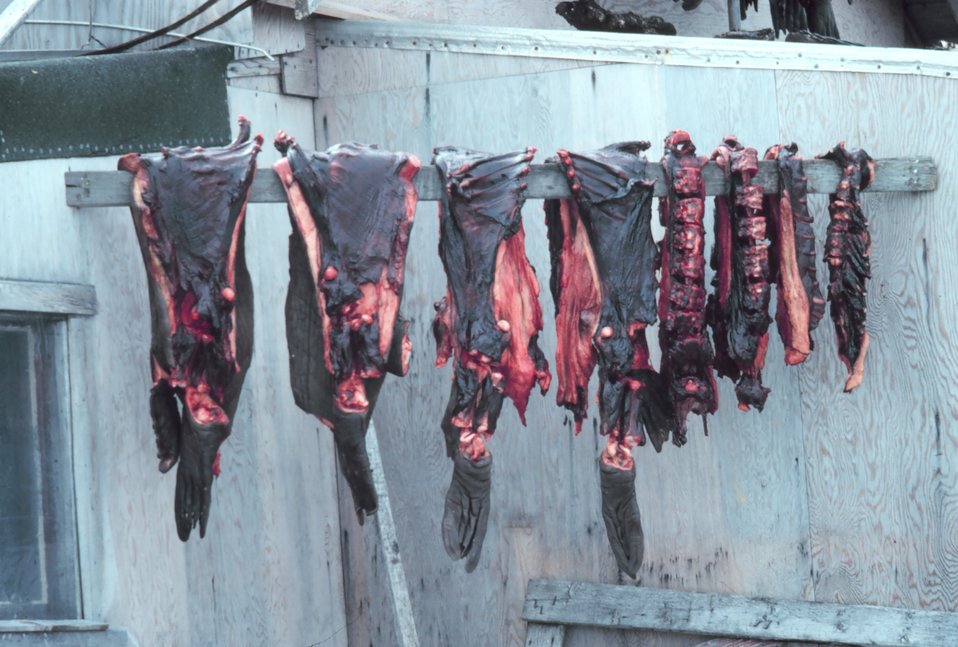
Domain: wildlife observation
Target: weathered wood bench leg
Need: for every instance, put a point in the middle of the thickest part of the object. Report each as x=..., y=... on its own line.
x=538, y=635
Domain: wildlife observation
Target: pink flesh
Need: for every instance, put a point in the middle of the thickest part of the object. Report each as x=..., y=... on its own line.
x=579, y=309
x=515, y=294
x=619, y=454
x=792, y=310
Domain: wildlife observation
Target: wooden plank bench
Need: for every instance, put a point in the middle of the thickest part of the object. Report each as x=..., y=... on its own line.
x=551, y=605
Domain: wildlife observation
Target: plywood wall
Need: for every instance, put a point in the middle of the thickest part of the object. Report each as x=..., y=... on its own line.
x=824, y=496
x=268, y=571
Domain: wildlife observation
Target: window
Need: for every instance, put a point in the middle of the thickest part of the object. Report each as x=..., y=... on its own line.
x=38, y=543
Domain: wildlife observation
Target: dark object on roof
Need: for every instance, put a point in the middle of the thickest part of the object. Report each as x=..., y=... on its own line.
x=815, y=16
x=689, y=5
x=805, y=36
x=102, y=105
x=928, y=22
x=758, y=34
x=587, y=15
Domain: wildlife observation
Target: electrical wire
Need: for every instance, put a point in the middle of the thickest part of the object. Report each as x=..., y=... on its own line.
x=216, y=23
x=122, y=47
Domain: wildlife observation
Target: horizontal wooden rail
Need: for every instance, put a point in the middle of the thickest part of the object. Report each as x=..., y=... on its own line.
x=112, y=188
x=550, y=602
x=38, y=297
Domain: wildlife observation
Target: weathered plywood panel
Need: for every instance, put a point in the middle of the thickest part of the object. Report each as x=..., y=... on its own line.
x=821, y=496
x=269, y=571
x=881, y=461
x=732, y=525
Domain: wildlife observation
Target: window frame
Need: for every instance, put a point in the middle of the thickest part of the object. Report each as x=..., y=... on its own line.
x=46, y=309
x=50, y=405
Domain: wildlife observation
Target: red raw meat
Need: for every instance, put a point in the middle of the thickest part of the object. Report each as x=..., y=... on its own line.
x=351, y=209
x=488, y=323
x=738, y=309
x=603, y=282
x=800, y=304
x=188, y=208
x=687, y=354
x=847, y=251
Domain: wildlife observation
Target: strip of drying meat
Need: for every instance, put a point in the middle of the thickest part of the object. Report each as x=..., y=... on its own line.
x=847, y=251
x=738, y=308
x=189, y=206
x=351, y=209
x=800, y=304
x=687, y=354
x=603, y=282
x=488, y=323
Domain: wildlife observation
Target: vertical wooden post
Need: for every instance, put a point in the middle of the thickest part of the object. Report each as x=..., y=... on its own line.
x=734, y=15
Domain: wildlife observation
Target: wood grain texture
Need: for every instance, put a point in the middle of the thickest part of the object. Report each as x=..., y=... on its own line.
x=542, y=635
x=882, y=471
x=47, y=298
x=731, y=513
x=629, y=607
x=545, y=495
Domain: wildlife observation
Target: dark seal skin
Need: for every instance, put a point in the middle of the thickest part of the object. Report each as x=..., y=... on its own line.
x=847, y=251
x=488, y=323
x=603, y=282
x=738, y=307
x=687, y=354
x=351, y=210
x=589, y=16
x=189, y=209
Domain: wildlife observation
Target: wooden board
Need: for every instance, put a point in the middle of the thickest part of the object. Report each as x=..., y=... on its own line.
x=882, y=463
x=749, y=509
x=629, y=607
x=47, y=298
x=917, y=173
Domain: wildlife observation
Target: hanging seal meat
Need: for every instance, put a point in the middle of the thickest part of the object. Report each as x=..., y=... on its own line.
x=847, y=251
x=687, y=354
x=488, y=323
x=603, y=283
x=738, y=308
x=189, y=206
x=351, y=209
x=800, y=304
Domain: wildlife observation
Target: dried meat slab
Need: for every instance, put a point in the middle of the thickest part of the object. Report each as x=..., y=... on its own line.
x=351, y=209
x=738, y=307
x=800, y=304
x=189, y=206
x=687, y=353
x=847, y=251
x=604, y=260
x=488, y=323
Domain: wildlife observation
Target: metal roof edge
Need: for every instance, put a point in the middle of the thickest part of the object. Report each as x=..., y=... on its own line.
x=634, y=48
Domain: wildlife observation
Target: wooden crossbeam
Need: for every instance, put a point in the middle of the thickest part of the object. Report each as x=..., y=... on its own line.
x=47, y=298
x=551, y=602
x=112, y=188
